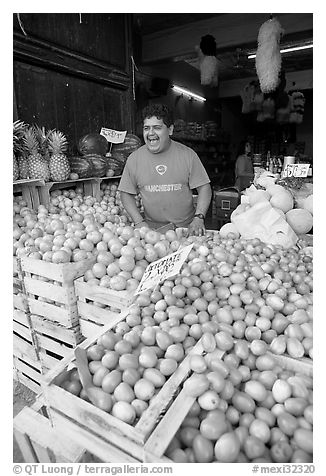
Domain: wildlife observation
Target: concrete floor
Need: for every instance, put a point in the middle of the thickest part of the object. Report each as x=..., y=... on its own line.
x=22, y=397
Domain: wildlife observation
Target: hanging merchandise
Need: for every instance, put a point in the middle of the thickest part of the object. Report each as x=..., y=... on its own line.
x=268, y=110
x=247, y=96
x=258, y=98
x=268, y=56
x=208, y=61
x=297, y=101
x=282, y=101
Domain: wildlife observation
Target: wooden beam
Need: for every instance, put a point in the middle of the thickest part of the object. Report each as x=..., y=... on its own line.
x=302, y=80
x=229, y=30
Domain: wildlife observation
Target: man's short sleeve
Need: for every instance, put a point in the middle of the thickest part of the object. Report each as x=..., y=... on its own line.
x=198, y=174
x=128, y=182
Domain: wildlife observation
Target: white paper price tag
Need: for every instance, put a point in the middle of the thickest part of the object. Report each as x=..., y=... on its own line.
x=296, y=170
x=163, y=268
x=116, y=137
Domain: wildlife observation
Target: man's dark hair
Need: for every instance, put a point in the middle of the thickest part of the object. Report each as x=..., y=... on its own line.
x=161, y=111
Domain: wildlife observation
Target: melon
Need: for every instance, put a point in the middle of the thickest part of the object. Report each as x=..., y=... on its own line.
x=274, y=188
x=307, y=204
x=282, y=200
x=81, y=166
x=98, y=163
x=229, y=228
x=129, y=145
x=300, y=220
x=93, y=143
x=258, y=196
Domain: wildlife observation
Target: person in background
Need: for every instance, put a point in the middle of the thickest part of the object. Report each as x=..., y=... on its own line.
x=244, y=170
x=165, y=173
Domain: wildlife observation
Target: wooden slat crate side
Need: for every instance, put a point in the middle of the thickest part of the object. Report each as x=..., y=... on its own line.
x=92, y=418
x=28, y=382
x=21, y=317
x=104, y=450
x=23, y=331
x=48, y=362
x=58, y=348
x=28, y=370
x=20, y=302
x=162, y=435
x=25, y=351
x=88, y=328
x=64, y=272
x=66, y=316
x=54, y=376
x=109, y=297
x=91, y=312
x=304, y=365
x=151, y=415
x=71, y=335
x=40, y=434
x=62, y=295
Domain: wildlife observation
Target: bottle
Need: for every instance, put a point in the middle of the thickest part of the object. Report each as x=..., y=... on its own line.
x=268, y=160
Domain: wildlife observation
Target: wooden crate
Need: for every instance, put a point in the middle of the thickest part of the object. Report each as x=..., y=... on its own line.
x=162, y=435
x=90, y=302
x=103, y=435
x=19, y=294
x=59, y=290
x=39, y=442
x=29, y=191
x=91, y=186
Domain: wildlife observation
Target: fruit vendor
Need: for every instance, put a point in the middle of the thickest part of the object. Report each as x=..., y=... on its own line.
x=165, y=172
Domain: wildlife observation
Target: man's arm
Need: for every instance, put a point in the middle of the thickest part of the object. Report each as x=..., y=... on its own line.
x=129, y=202
x=197, y=226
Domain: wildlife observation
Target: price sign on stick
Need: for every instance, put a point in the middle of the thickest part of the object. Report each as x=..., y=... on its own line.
x=116, y=137
x=163, y=268
x=296, y=170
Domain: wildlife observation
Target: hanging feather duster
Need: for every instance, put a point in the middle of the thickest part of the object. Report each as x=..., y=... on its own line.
x=207, y=61
x=268, y=56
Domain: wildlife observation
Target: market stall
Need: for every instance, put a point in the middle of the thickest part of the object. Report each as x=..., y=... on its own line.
x=155, y=346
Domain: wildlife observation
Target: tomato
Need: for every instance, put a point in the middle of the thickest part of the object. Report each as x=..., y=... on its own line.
x=227, y=447
x=203, y=449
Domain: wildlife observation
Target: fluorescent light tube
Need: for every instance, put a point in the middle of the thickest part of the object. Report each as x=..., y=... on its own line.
x=288, y=50
x=188, y=93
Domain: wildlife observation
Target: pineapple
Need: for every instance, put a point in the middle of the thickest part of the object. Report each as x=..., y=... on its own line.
x=59, y=163
x=15, y=168
x=43, y=137
x=37, y=164
x=18, y=149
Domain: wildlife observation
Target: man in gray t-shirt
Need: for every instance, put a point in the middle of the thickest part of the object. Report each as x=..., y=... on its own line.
x=165, y=172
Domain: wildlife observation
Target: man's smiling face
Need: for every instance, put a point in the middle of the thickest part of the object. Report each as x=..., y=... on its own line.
x=156, y=134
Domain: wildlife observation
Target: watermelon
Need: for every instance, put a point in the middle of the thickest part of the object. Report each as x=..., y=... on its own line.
x=93, y=143
x=99, y=164
x=130, y=144
x=81, y=166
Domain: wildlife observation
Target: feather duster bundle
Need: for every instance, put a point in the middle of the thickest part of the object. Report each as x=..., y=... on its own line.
x=268, y=56
x=207, y=61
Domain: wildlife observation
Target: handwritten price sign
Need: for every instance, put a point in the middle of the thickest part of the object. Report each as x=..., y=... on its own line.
x=163, y=268
x=296, y=170
x=116, y=137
